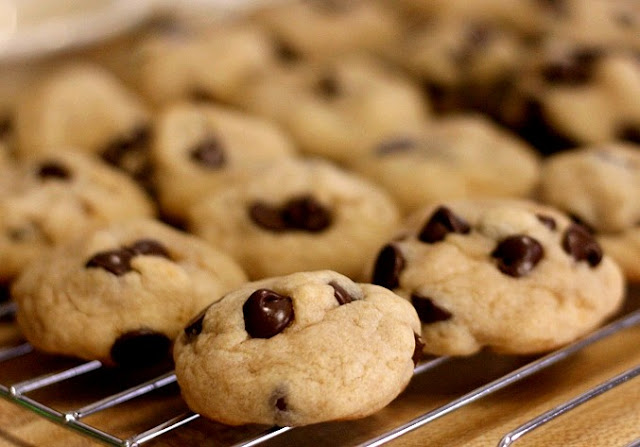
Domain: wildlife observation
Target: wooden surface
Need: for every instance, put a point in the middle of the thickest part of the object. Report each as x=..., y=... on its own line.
x=612, y=419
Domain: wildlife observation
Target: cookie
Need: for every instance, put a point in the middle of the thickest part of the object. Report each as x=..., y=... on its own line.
x=199, y=148
x=296, y=350
x=84, y=108
x=326, y=29
x=513, y=276
x=624, y=247
x=121, y=293
x=54, y=198
x=296, y=215
x=337, y=109
x=454, y=157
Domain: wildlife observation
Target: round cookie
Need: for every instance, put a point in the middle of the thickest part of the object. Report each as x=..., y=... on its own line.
x=513, y=276
x=296, y=350
x=624, y=247
x=199, y=148
x=326, y=29
x=121, y=293
x=84, y=108
x=600, y=185
x=453, y=157
x=296, y=215
x=55, y=197
x=338, y=109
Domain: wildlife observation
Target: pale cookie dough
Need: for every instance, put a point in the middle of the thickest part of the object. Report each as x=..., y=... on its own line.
x=324, y=29
x=55, y=197
x=600, y=185
x=200, y=148
x=338, y=109
x=85, y=108
x=513, y=276
x=120, y=294
x=296, y=350
x=624, y=247
x=454, y=157
x=297, y=215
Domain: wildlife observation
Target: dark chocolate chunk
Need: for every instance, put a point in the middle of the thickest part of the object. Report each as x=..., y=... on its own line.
x=547, y=221
x=140, y=348
x=328, y=87
x=267, y=313
x=342, y=296
x=428, y=311
x=194, y=327
x=388, y=267
x=396, y=145
x=209, y=153
x=518, y=255
x=630, y=133
x=267, y=217
x=417, y=350
x=441, y=222
x=148, y=247
x=580, y=244
x=52, y=169
x=306, y=213
x=116, y=261
x=575, y=69
x=281, y=404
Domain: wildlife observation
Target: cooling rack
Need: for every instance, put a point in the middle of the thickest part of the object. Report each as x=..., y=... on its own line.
x=25, y=393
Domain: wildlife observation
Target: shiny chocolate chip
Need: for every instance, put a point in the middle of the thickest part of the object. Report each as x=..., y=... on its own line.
x=267, y=217
x=575, y=69
x=581, y=245
x=328, y=87
x=397, y=145
x=306, y=213
x=428, y=311
x=267, y=313
x=209, y=153
x=547, y=221
x=417, y=350
x=194, y=327
x=140, y=348
x=442, y=222
x=342, y=296
x=116, y=261
x=52, y=169
x=388, y=267
x=518, y=255
x=148, y=247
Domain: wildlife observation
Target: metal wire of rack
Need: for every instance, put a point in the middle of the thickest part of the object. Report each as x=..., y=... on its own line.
x=73, y=419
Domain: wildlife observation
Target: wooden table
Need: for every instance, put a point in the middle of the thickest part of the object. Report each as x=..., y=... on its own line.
x=612, y=419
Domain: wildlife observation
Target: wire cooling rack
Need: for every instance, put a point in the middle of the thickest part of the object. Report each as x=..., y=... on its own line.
x=74, y=419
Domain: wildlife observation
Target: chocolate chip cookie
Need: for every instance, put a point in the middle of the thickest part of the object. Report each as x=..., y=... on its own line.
x=120, y=294
x=55, y=197
x=453, y=157
x=199, y=148
x=296, y=350
x=513, y=276
x=296, y=215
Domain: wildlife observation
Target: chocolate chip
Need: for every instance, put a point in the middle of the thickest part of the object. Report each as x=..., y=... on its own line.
x=630, y=133
x=388, y=267
x=306, y=213
x=547, y=221
x=267, y=217
x=148, y=247
x=342, y=296
x=116, y=261
x=194, y=327
x=209, y=153
x=517, y=255
x=394, y=146
x=267, y=313
x=281, y=404
x=328, y=87
x=52, y=169
x=140, y=347
x=428, y=311
x=575, y=69
x=581, y=245
x=442, y=222
x=417, y=350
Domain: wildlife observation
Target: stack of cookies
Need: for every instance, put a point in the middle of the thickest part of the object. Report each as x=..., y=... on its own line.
x=295, y=206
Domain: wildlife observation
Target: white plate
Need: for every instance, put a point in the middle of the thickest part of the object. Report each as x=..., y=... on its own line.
x=30, y=28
